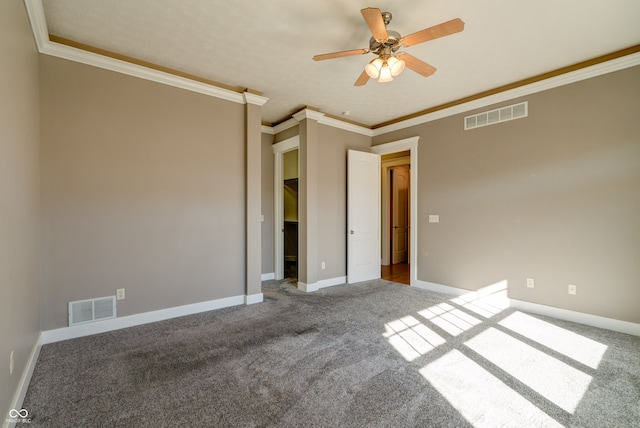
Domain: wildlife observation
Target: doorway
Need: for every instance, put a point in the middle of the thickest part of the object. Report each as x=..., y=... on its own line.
x=290, y=210
x=286, y=204
x=402, y=152
x=396, y=237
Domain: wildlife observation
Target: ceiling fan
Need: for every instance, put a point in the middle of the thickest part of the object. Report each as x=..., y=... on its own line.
x=386, y=43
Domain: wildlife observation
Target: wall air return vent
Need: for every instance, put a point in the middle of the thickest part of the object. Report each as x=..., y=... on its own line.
x=502, y=114
x=84, y=311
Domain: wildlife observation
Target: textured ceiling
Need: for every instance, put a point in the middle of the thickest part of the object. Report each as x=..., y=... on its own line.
x=268, y=45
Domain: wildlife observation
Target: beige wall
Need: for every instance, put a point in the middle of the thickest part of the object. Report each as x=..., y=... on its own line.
x=333, y=144
x=554, y=196
x=143, y=189
x=331, y=187
x=19, y=197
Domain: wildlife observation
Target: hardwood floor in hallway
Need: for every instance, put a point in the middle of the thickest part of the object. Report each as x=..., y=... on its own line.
x=396, y=273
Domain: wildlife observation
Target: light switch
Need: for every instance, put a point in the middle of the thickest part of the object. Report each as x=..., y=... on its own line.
x=434, y=218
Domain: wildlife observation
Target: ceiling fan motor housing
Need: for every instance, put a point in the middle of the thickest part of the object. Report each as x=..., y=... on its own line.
x=392, y=43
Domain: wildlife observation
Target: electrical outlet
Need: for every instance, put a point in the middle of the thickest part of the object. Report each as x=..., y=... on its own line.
x=11, y=363
x=573, y=289
x=530, y=283
x=323, y=265
x=120, y=294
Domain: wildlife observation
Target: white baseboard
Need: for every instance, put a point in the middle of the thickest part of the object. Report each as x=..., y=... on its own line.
x=253, y=298
x=535, y=308
x=439, y=288
x=309, y=288
x=578, y=317
x=268, y=276
x=81, y=330
x=25, y=379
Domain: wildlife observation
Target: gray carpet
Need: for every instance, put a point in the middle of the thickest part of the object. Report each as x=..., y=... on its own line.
x=371, y=354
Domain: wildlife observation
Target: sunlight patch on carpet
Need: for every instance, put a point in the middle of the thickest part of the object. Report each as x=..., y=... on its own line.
x=487, y=301
x=450, y=319
x=580, y=348
x=411, y=338
x=481, y=398
x=555, y=380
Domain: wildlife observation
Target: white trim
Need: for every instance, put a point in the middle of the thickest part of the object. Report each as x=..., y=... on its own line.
x=543, y=85
x=337, y=123
x=535, y=308
x=65, y=333
x=439, y=288
x=25, y=379
x=286, y=145
x=47, y=47
x=35, y=12
x=324, y=283
x=278, y=205
x=577, y=317
x=308, y=114
x=268, y=276
x=287, y=124
x=386, y=208
x=267, y=130
x=322, y=119
x=410, y=144
x=252, y=299
x=307, y=288
x=396, y=146
x=250, y=98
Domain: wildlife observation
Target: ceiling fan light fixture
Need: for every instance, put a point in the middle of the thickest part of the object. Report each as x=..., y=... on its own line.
x=374, y=67
x=385, y=74
x=395, y=65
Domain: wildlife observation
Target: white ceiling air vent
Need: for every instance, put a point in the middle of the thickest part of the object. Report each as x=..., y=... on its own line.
x=84, y=311
x=502, y=114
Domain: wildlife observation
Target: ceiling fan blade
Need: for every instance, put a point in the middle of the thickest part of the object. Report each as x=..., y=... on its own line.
x=373, y=17
x=340, y=54
x=418, y=65
x=362, y=80
x=440, y=30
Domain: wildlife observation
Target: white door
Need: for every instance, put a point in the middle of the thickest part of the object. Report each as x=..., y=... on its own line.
x=400, y=213
x=363, y=216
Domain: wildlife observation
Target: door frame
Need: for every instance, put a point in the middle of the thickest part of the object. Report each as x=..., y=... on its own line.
x=279, y=149
x=410, y=144
x=386, y=204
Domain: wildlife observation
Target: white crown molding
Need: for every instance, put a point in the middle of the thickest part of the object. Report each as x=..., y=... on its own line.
x=268, y=130
x=543, y=85
x=47, y=47
x=308, y=114
x=337, y=123
x=285, y=125
x=322, y=119
x=35, y=12
x=254, y=99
